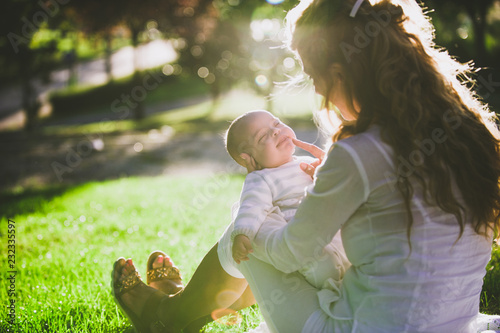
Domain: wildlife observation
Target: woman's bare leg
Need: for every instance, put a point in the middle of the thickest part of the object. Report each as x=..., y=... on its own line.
x=245, y=300
x=172, y=286
x=210, y=289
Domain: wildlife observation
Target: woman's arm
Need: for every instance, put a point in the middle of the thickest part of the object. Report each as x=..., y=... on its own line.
x=341, y=187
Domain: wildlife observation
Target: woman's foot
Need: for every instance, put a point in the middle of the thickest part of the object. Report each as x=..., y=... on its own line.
x=163, y=274
x=138, y=301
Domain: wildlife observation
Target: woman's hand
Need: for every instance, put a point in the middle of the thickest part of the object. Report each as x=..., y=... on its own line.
x=315, y=151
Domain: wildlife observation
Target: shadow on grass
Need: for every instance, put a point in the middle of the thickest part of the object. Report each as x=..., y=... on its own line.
x=28, y=201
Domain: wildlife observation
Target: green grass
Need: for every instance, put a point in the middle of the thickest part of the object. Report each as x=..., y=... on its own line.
x=68, y=238
x=490, y=296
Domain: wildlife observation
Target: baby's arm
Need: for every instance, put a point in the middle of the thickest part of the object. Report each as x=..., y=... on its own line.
x=255, y=204
x=242, y=246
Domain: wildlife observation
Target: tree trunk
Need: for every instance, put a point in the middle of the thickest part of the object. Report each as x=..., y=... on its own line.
x=30, y=105
x=107, y=57
x=29, y=97
x=477, y=13
x=138, y=110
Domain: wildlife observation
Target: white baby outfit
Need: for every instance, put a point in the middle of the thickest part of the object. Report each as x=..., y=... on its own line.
x=278, y=192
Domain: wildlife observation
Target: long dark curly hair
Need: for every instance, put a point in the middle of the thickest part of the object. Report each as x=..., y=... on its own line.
x=420, y=97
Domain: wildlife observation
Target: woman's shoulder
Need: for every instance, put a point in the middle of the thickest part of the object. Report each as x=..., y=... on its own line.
x=370, y=135
x=369, y=140
x=365, y=148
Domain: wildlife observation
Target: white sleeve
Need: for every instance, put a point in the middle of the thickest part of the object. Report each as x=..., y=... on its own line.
x=255, y=204
x=341, y=187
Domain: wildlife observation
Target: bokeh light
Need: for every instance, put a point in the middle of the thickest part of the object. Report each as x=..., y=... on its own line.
x=266, y=28
x=168, y=70
x=179, y=43
x=188, y=11
x=98, y=144
x=138, y=147
x=203, y=72
x=152, y=24
x=462, y=33
x=196, y=51
x=154, y=134
x=275, y=2
x=210, y=78
x=226, y=54
x=261, y=80
x=289, y=63
x=223, y=64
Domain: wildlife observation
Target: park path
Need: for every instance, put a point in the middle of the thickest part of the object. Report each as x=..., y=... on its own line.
x=35, y=161
x=150, y=55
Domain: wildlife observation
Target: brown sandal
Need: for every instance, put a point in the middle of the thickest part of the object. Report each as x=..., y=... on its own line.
x=149, y=317
x=162, y=273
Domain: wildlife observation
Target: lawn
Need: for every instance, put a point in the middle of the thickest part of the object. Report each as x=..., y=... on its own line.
x=66, y=240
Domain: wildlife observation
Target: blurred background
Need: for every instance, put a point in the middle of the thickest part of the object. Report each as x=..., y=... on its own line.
x=115, y=69
x=112, y=115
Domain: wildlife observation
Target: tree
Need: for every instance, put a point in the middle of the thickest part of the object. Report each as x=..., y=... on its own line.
x=95, y=18
x=476, y=10
x=19, y=23
x=99, y=17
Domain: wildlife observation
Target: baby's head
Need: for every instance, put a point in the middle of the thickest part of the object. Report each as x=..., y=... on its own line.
x=261, y=136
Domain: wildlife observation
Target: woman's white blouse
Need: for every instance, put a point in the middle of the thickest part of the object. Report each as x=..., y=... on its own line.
x=434, y=286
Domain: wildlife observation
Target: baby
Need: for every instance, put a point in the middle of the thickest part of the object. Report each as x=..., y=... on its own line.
x=277, y=185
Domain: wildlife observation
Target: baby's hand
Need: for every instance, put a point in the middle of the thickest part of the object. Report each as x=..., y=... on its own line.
x=241, y=248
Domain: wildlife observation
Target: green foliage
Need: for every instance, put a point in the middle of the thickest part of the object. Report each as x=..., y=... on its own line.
x=490, y=296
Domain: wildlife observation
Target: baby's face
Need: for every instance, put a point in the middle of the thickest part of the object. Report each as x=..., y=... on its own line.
x=269, y=140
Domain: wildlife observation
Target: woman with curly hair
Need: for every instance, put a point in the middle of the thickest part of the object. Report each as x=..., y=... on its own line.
x=411, y=181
